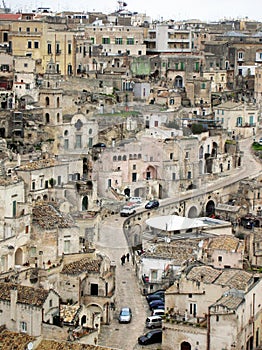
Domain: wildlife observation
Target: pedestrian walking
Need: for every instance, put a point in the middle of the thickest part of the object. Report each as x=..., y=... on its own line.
x=123, y=259
x=127, y=257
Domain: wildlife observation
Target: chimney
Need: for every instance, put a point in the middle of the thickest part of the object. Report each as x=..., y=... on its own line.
x=13, y=299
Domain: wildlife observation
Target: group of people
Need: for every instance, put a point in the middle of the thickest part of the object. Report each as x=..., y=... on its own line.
x=124, y=258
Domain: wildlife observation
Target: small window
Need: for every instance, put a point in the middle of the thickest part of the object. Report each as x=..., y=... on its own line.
x=219, y=258
x=29, y=44
x=36, y=45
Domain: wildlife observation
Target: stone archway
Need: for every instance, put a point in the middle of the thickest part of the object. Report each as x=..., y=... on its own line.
x=210, y=208
x=185, y=346
x=192, y=213
x=19, y=257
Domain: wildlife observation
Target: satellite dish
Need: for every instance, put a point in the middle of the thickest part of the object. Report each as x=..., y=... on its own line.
x=30, y=346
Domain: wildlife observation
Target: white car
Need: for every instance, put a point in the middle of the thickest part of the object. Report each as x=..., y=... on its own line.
x=125, y=315
x=128, y=210
x=137, y=200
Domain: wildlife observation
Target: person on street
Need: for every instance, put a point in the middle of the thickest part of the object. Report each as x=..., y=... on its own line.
x=123, y=259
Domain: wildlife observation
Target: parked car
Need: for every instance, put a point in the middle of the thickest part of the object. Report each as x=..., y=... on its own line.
x=156, y=304
x=260, y=141
x=125, y=315
x=152, y=297
x=158, y=312
x=99, y=145
x=158, y=293
x=152, y=204
x=137, y=200
x=127, y=210
x=151, y=337
x=153, y=321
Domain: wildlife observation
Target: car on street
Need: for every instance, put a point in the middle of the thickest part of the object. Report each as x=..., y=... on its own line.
x=158, y=294
x=152, y=337
x=127, y=210
x=125, y=315
x=153, y=321
x=158, y=312
x=137, y=200
x=156, y=304
x=152, y=204
x=99, y=145
x=152, y=297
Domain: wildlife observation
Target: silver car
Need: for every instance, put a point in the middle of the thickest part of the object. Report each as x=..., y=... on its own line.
x=125, y=315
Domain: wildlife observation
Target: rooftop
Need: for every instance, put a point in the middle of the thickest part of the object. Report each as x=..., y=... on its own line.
x=46, y=216
x=83, y=265
x=38, y=164
x=25, y=295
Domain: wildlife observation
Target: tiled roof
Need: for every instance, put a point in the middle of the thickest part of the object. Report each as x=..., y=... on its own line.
x=177, y=251
x=83, y=265
x=206, y=274
x=54, y=345
x=68, y=312
x=224, y=242
x=11, y=340
x=39, y=164
x=238, y=279
x=25, y=295
x=229, y=301
x=48, y=217
x=10, y=16
x=233, y=278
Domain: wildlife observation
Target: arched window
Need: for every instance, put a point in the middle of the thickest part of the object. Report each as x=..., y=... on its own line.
x=119, y=158
x=114, y=159
x=47, y=101
x=58, y=102
x=58, y=118
x=65, y=132
x=124, y=157
x=47, y=118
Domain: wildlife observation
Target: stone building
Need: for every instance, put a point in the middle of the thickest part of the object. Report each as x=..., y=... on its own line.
x=241, y=120
x=208, y=307
x=15, y=225
x=90, y=281
x=223, y=252
x=26, y=309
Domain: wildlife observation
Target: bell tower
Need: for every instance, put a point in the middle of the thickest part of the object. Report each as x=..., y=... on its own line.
x=51, y=95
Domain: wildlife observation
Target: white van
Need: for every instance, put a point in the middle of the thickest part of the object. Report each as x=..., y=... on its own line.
x=154, y=322
x=158, y=312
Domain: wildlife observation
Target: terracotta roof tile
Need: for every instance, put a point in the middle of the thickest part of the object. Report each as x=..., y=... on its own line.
x=206, y=274
x=54, y=345
x=230, y=301
x=48, y=217
x=14, y=341
x=25, y=295
x=84, y=265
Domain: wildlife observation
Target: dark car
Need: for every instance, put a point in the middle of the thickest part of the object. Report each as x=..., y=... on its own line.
x=152, y=204
x=156, y=304
x=99, y=145
x=152, y=297
x=151, y=337
x=160, y=293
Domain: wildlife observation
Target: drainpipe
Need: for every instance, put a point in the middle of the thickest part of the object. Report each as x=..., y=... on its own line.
x=208, y=329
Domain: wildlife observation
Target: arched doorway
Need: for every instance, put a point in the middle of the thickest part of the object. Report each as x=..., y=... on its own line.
x=210, y=208
x=83, y=320
x=85, y=203
x=192, y=213
x=19, y=257
x=185, y=346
